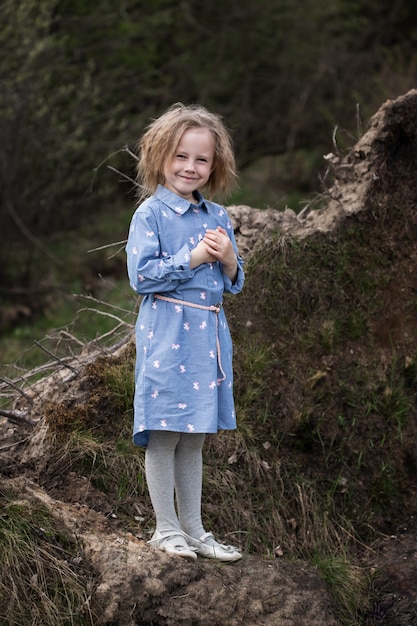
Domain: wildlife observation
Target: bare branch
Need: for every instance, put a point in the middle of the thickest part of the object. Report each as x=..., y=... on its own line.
x=358, y=120
x=56, y=358
x=334, y=140
x=107, y=304
x=107, y=245
x=26, y=232
x=17, y=417
x=130, y=153
x=125, y=176
x=68, y=335
x=105, y=314
x=13, y=385
x=12, y=445
x=109, y=333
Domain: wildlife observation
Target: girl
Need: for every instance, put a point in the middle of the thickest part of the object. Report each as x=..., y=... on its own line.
x=182, y=257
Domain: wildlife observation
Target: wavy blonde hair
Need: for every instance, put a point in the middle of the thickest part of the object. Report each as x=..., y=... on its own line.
x=161, y=138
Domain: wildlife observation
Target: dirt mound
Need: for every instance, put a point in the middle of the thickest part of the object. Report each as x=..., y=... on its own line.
x=372, y=191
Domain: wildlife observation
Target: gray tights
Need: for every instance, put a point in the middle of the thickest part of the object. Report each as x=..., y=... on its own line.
x=174, y=465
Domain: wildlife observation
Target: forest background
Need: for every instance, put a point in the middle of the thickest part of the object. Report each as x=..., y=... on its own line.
x=79, y=80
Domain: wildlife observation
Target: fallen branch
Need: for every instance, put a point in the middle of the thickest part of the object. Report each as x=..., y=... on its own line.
x=56, y=358
x=17, y=417
x=11, y=384
x=105, y=314
x=80, y=296
x=68, y=335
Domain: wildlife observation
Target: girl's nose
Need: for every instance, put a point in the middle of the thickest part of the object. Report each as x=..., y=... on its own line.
x=190, y=165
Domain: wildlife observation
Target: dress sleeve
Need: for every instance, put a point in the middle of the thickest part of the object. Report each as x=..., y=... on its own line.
x=148, y=269
x=237, y=285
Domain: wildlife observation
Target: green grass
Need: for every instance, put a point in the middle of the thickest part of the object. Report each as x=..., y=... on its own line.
x=38, y=583
x=350, y=585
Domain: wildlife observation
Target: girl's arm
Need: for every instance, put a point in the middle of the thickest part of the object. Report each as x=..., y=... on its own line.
x=151, y=270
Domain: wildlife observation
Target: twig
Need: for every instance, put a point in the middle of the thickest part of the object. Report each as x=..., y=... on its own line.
x=17, y=418
x=305, y=209
x=336, y=147
x=26, y=232
x=109, y=333
x=56, y=358
x=125, y=176
x=105, y=314
x=130, y=153
x=41, y=368
x=107, y=304
x=358, y=120
x=68, y=335
x=122, y=342
x=96, y=169
x=184, y=595
x=108, y=245
x=14, y=386
x=12, y=445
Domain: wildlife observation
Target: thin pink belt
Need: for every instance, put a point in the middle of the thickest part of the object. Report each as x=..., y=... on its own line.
x=216, y=308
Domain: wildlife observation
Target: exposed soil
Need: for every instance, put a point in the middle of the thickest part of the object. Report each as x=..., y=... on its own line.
x=131, y=583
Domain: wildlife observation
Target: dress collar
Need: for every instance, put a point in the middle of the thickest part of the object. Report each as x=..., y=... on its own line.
x=175, y=202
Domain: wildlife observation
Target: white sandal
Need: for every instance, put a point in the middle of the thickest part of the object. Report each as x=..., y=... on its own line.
x=173, y=544
x=213, y=550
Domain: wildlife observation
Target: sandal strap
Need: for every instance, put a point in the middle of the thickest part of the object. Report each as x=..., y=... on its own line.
x=206, y=536
x=170, y=545
x=169, y=539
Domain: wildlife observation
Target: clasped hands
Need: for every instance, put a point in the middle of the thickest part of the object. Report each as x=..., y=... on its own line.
x=216, y=246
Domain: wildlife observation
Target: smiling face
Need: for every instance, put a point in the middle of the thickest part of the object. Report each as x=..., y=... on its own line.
x=192, y=163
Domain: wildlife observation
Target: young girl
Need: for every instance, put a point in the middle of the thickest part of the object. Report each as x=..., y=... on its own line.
x=182, y=257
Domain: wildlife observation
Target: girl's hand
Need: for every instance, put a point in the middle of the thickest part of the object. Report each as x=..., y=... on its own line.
x=219, y=246
x=200, y=255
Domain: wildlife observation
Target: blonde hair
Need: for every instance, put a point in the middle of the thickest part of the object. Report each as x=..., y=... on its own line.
x=161, y=138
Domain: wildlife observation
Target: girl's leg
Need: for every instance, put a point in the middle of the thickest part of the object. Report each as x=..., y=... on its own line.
x=188, y=485
x=160, y=461
x=188, y=482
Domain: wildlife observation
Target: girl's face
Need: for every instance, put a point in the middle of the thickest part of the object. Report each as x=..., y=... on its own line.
x=192, y=164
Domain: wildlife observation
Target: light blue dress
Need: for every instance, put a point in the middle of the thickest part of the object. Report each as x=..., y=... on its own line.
x=183, y=374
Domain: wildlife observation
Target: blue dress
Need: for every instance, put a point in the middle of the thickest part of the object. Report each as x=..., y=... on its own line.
x=183, y=373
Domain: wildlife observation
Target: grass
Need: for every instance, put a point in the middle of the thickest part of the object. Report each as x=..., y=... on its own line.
x=350, y=585
x=92, y=437
x=39, y=583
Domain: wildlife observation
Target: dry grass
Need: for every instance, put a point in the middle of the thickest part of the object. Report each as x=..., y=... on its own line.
x=41, y=581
